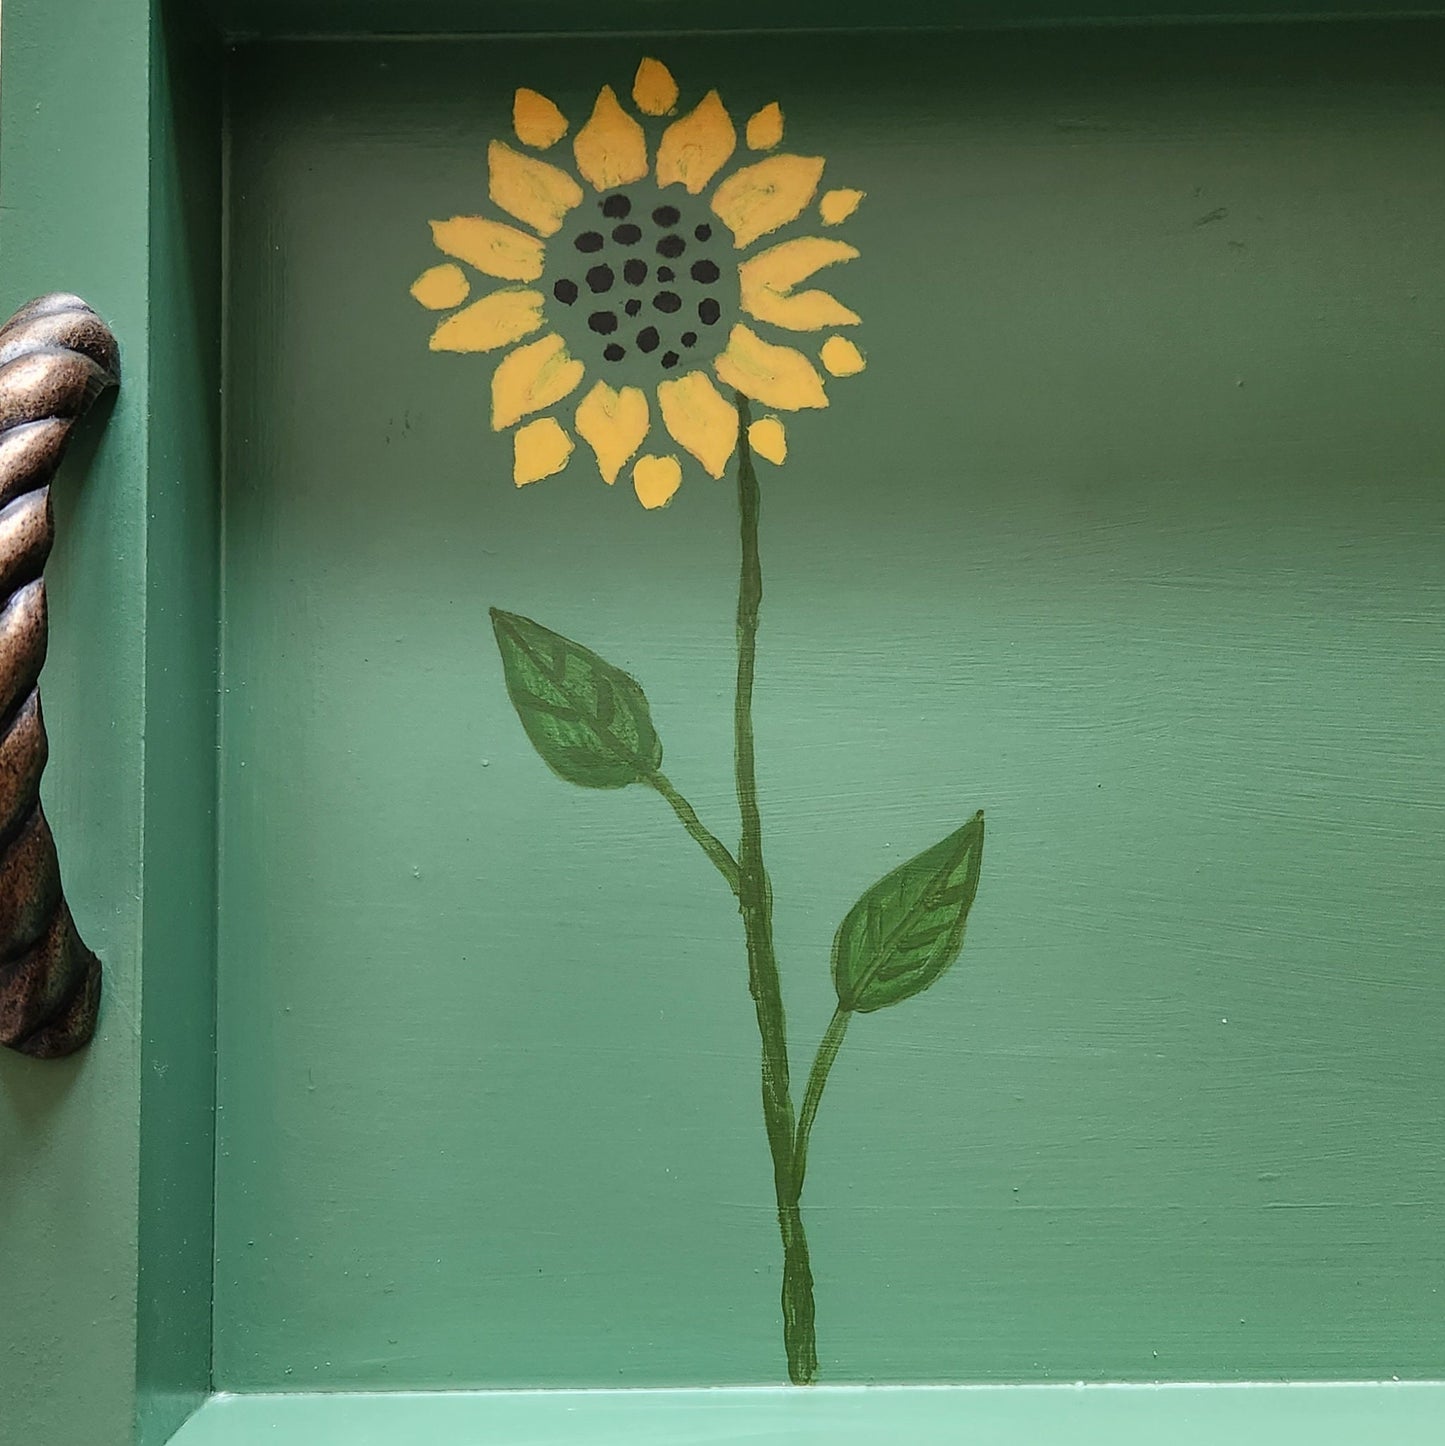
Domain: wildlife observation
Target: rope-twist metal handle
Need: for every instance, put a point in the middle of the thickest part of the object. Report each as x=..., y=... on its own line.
x=56, y=357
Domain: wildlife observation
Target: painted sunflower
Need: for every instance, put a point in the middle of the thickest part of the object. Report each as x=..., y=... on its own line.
x=654, y=288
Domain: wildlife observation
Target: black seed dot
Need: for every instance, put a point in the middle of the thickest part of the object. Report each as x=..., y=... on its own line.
x=616, y=206
x=705, y=271
x=665, y=273
x=635, y=272
x=708, y=310
x=600, y=278
x=689, y=338
x=666, y=215
x=633, y=307
x=671, y=246
x=589, y=241
x=703, y=232
x=565, y=291
x=603, y=322
x=670, y=358
x=667, y=301
x=613, y=352
x=627, y=235
x=647, y=338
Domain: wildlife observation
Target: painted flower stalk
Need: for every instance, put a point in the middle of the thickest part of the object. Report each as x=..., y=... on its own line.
x=639, y=319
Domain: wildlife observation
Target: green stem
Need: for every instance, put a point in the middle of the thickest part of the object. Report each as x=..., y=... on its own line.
x=755, y=901
x=817, y=1078
x=708, y=841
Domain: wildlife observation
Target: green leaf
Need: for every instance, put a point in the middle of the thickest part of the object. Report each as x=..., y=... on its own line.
x=908, y=928
x=588, y=720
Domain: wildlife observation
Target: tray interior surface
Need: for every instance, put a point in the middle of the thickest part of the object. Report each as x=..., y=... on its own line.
x=1128, y=534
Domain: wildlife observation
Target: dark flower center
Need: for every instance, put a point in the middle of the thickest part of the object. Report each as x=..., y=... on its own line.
x=647, y=276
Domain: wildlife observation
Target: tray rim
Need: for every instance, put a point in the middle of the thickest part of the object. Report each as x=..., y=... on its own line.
x=1269, y=1414
x=241, y=20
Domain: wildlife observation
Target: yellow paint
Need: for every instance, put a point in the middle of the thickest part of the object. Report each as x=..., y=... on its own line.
x=536, y=120
x=696, y=147
x=841, y=357
x=768, y=194
x=699, y=419
x=769, y=439
x=440, y=287
x=537, y=373
x=655, y=479
x=614, y=424
x=491, y=246
x=534, y=376
x=653, y=89
x=777, y=376
x=767, y=282
x=530, y=189
x=837, y=206
x=765, y=127
x=540, y=449
x=496, y=320
x=611, y=149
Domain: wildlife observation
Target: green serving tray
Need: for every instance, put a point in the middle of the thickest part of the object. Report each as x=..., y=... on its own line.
x=425, y=1103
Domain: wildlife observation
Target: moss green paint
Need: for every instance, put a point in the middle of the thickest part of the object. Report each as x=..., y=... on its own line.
x=73, y=151
x=105, y=1220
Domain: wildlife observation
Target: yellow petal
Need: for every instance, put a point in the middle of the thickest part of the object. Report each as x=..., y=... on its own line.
x=837, y=206
x=614, y=425
x=611, y=149
x=765, y=127
x=491, y=246
x=536, y=120
x=441, y=287
x=841, y=357
x=767, y=282
x=695, y=147
x=777, y=376
x=655, y=479
x=699, y=419
x=530, y=189
x=768, y=439
x=495, y=320
x=768, y=194
x=653, y=89
x=540, y=449
x=532, y=377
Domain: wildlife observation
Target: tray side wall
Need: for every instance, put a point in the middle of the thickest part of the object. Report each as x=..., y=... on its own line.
x=296, y=18
x=73, y=176
x=179, y=943
x=109, y=166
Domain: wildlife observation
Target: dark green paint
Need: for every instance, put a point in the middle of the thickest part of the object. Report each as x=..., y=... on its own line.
x=755, y=903
x=591, y=723
x=908, y=928
x=588, y=720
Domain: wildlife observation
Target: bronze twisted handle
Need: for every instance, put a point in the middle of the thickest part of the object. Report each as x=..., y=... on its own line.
x=56, y=357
